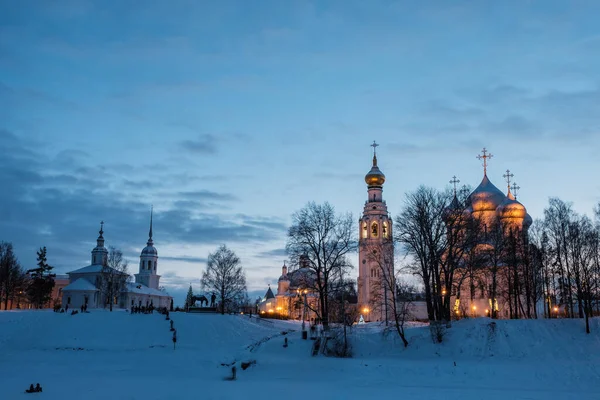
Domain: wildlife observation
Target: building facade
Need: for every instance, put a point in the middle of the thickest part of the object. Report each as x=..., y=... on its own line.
x=294, y=299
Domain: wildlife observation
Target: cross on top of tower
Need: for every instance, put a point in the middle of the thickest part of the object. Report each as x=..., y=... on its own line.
x=101, y=227
x=374, y=146
x=515, y=188
x=484, y=156
x=454, y=182
x=508, y=177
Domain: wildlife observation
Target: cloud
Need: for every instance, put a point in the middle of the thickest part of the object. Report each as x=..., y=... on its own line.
x=189, y=259
x=273, y=253
x=204, y=144
x=206, y=195
x=62, y=209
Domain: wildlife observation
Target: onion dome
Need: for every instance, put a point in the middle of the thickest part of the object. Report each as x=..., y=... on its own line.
x=284, y=276
x=375, y=178
x=149, y=250
x=453, y=208
x=527, y=221
x=486, y=197
x=511, y=208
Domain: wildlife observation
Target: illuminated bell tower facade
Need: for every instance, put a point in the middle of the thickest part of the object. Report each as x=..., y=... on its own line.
x=376, y=249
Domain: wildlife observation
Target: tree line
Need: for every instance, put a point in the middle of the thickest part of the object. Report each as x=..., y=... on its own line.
x=18, y=284
x=457, y=256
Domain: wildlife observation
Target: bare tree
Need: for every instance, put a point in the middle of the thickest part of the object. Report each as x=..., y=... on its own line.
x=421, y=231
x=225, y=277
x=389, y=293
x=323, y=239
x=12, y=276
x=114, y=276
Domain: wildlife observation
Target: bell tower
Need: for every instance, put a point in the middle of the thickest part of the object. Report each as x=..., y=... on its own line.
x=100, y=254
x=148, y=263
x=376, y=249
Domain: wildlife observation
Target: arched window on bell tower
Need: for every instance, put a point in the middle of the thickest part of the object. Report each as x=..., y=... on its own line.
x=374, y=229
x=364, y=230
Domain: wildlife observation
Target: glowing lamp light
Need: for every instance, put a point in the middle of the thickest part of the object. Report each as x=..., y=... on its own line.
x=443, y=292
x=365, y=310
x=270, y=311
x=487, y=311
x=278, y=308
x=555, y=309
x=474, y=307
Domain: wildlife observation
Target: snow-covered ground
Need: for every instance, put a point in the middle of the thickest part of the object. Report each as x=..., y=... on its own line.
x=104, y=355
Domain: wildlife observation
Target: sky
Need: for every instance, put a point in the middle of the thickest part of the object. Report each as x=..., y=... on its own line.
x=229, y=116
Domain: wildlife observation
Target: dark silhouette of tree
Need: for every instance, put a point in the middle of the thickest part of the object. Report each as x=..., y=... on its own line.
x=40, y=287
x=114, y=276
x=322, y=239
x=12, y=277
x=225, y=277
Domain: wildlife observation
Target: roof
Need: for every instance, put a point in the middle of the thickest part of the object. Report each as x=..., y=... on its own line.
x=80, y=285
x=269, y=294
x=486, y=197
x=138, y=288
x=90, y=269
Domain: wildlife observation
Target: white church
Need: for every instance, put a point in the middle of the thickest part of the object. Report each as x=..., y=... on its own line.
x=85, y=284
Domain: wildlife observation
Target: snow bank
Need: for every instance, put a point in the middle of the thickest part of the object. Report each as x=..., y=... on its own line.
x=103, y=355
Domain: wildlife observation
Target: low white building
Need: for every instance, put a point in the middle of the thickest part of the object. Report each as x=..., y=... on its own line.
x=85, y=284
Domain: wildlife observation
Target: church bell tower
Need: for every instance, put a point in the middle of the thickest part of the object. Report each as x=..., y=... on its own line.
x=376, y=249
x=148, y=263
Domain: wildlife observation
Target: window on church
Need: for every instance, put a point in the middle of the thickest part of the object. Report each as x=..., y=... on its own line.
x=154, y=266
x=374, y=229
x=385, y=230
x=149, y=265
x=364, y=230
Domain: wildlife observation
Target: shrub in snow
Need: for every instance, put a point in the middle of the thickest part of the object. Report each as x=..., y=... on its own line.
x=337, y=344
x=437, y=330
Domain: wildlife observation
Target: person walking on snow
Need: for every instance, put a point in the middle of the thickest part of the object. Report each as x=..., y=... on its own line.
x=174, y=338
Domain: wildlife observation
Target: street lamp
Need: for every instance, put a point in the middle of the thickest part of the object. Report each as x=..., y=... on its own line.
x=304, y=292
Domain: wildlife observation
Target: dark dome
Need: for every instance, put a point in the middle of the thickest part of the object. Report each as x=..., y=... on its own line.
x=149, y=251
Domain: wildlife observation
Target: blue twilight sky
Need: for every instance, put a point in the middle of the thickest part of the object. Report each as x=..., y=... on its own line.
x=228, y=116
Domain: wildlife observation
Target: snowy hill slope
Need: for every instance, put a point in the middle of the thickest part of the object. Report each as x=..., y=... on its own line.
x=105, y=355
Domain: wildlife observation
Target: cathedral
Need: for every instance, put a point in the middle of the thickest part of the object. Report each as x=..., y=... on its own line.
x=85, y=287
x=500, y=215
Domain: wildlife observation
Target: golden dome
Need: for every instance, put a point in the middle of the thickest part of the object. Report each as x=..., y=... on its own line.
x=375, y=177
x=511, y=209
x=486, y=197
